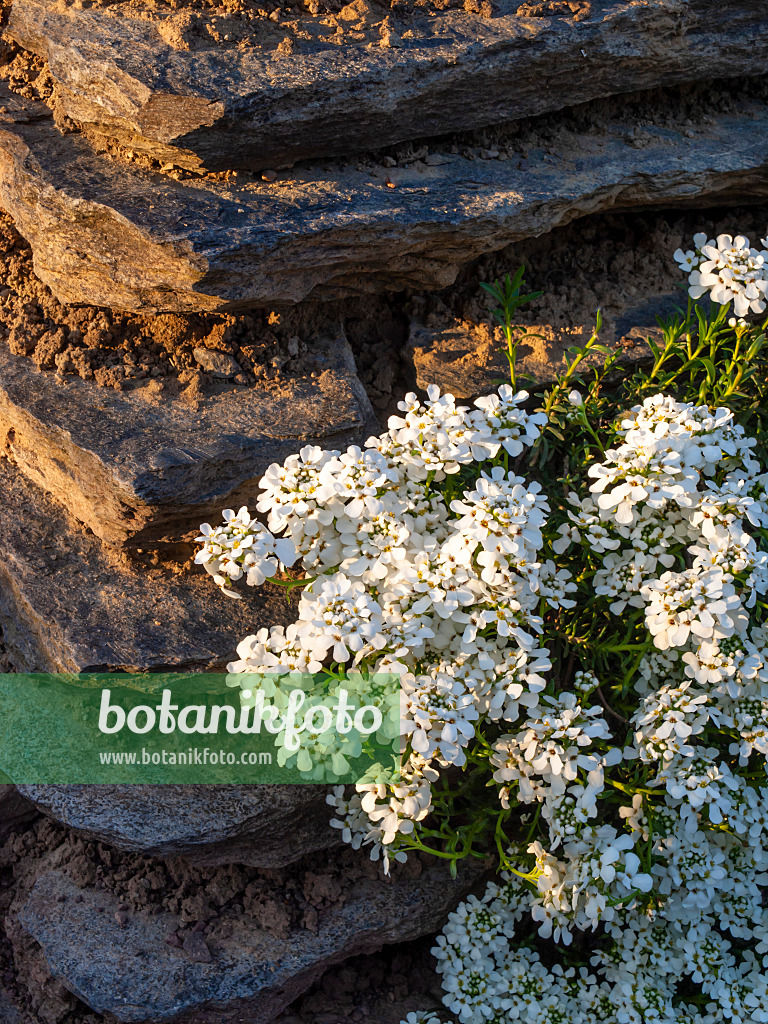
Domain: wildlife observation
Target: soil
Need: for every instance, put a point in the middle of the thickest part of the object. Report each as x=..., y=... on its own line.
x=5, y=661
x=618, y=263
x=378, y=989
x=290, y=27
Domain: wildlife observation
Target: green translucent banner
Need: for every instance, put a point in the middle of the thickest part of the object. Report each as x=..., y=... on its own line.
x=198, y=728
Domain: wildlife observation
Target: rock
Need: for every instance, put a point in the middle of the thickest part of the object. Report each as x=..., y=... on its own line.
x=218, y=363
x=126, y=78
x=467, y=361
x=137, y=472
x=133, y=974
x=264, y=825
x=109, y=234
x=15, y=811
x=196, y=948
x=65, y=606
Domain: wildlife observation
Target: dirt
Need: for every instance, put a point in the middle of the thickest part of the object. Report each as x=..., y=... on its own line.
x=286, y=28
x=5, y=661
x=614, y=262
x=382, y=987
x=611, y=261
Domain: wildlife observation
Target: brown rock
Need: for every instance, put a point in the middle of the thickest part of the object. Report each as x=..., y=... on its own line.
x=108, y=234
x=196, y=948
x=133, y=80
x=218, y=363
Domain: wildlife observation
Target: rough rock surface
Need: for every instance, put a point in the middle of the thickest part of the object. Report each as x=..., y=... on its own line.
x=122, y=964
x=238, y=106
x=66, y=606
x=142, y=465
x=263, y=825
x=109, y=234
x=15, y=810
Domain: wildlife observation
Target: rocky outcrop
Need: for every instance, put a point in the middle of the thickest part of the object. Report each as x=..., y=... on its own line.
x=264, y=825
x=65, y=605
x=107, y=233
x=159, y=88
x=150, y=464
x=122, y=964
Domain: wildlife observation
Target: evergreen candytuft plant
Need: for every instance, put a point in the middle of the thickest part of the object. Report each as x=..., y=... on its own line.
x=572, y=590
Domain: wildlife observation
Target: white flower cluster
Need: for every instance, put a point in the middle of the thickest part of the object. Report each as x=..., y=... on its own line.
x=707, y=933
x=241, y=546
x=729, y=270
x=440, y=587
x=678, y=901
x=428, y=557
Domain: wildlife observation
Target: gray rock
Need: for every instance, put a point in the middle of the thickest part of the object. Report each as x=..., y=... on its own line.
x=194, y=104
x=109, y=234
x=131, y=973
x=65, y=605
x=15, y=811
x=139, y=467
x=218, y=363
x=264, y=826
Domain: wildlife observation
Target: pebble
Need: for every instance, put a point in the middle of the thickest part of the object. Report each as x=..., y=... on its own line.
x=218, y=363
x=269, y=176
x=196, y=948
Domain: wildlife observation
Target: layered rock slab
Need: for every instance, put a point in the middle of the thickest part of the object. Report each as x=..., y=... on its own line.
x=178, y=99
x=129, y=971
x=148, y=465
x=65, y=605
x=106, y=233
x=262, y=825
